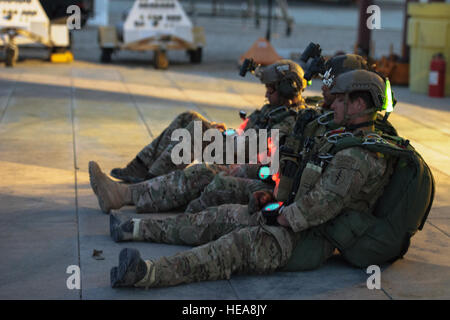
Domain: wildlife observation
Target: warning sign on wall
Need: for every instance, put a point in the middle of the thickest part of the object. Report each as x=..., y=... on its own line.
x=153, y=18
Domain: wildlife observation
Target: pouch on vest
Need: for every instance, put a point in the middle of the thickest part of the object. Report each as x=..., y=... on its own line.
x=283, y=189
x=288, y=168
x=310, y=176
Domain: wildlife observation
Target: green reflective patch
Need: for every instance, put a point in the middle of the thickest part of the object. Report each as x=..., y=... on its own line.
x=388, y=104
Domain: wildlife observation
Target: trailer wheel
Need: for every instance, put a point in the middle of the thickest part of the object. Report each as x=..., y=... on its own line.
x=58, y=49
x=105, y=57
x=160, y=60
x=12, y=53
x=195, y=56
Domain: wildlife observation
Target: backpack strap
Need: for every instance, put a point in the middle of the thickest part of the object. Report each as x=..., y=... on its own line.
x=380, y=145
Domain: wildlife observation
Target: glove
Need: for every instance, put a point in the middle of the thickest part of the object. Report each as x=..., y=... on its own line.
x=271, y=218
x=258, y=200
x=271, y=213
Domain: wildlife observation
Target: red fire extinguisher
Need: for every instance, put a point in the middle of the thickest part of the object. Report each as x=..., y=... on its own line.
x=436, y=82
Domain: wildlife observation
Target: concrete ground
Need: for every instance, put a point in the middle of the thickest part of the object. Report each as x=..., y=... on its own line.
x=54, y=119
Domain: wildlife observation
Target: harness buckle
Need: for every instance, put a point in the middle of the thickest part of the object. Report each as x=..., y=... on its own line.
x=337, y=136
x=284, y=108
x=322, y=119
x=373, y=139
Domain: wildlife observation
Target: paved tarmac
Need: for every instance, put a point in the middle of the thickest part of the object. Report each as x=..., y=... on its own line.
x=54, y=119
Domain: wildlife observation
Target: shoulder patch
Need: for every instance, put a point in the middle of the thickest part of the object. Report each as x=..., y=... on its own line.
x=339, y=180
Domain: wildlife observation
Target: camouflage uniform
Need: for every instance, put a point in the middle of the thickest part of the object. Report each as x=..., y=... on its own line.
x=150, y=155
x=230, y=189
x=199, y=186
x=230, y=241
x=259, y=119
x=227, y=189
x=177, y=188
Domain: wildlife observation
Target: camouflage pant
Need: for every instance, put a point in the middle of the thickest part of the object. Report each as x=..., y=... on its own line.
x=173, y=190
x=230, y=242
x=157, y=155
x=226, y=189
x=198, y=186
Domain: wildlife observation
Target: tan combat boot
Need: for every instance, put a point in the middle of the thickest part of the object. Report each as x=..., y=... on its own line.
x=110, y=194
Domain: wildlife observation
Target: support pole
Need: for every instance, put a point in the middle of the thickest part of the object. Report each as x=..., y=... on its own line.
x=269, y=20
x=405, y=47
x=257, y=14
x=214, y=7
x=101, y=13
x=285, y=12
x=364, y=33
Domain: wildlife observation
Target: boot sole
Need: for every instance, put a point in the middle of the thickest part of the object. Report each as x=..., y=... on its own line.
x=128, y=259
x=114, y=228
x=114, y=277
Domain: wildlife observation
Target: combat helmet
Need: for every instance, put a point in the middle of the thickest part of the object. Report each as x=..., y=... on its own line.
x=285, y=75
x=363, y=80
x=341, y=64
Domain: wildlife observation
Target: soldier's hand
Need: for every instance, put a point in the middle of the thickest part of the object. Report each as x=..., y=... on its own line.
x=220, y=126
x=259, y=199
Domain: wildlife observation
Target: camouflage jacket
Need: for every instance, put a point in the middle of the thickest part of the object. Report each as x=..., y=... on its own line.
x=269, y=117
x=353, y=180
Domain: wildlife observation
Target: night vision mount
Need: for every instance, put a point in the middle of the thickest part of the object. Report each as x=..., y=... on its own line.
x=249, y=65
x=317, y=64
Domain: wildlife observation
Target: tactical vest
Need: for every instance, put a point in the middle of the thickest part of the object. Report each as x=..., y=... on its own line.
x=384, y=235
x=266, y=119
x=312, y=132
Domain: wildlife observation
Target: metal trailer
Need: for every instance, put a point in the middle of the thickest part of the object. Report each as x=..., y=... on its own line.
x=57, y=10
x=25, y=23
x=153, y=25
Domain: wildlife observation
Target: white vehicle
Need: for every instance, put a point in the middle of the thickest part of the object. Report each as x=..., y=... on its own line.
x=154, y=25
x=25, y=23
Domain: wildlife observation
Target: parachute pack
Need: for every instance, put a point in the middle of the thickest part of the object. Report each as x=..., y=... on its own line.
x=384, y=235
